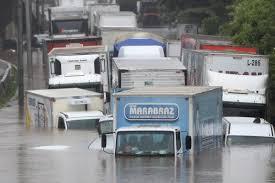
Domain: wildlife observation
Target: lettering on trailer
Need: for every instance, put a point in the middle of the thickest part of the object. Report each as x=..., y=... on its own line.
x=79, y=100
x=256, y=62
x=151, y=111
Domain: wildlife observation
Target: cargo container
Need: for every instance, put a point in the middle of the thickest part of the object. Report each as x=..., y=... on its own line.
x=213, y=43
x=85, y=67
x=140, y=72
x=96, y=8
x=166, y=121
x=242, y=76
x=110, y=25
x=44, y=106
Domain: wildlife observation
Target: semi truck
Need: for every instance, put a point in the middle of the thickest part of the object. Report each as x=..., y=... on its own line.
x=166, y=121
x=242, y=76
x=84, y=67
x=68, y=21
x=45, y=107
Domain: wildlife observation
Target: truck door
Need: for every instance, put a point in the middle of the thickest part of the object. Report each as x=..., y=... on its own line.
x=41, y=115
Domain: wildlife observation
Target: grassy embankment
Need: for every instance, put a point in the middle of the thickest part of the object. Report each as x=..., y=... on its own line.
x=11, y=88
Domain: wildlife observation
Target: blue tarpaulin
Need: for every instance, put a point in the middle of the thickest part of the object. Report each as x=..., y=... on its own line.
x=138, y=42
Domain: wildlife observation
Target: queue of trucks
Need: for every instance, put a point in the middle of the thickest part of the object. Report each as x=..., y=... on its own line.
x=166, y=97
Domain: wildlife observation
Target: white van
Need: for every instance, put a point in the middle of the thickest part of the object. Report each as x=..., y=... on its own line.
x=247, y=130
x=85, y=120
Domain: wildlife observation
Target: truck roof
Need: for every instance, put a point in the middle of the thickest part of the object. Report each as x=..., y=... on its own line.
x=63, y=93
x=166, y=91
x=83, y=114
x=77, y=50
x=120, y=13
x=139, y=35
x=148, y=128
x=71, y=12
x=161, y=63
x=141, y=51
x=210, y=52
x=244, y=126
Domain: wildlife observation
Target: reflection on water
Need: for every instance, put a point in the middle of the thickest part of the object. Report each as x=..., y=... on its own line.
x=74, y=162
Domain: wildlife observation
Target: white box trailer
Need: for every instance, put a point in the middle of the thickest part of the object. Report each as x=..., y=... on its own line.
x=140, y=72
x=79, y=66
x=44, y=106
x=243, y=76
x=94, y=9
x=110, y=25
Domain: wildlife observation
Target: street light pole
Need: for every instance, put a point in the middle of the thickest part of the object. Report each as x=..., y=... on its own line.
x=28, y=37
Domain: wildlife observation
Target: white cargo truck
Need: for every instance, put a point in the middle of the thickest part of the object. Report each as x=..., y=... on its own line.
x=166, y=121
x=140, y=72
x=110, y=25
x=94, y=9
x=84, y=67
x=242, y=76
x=43, y=107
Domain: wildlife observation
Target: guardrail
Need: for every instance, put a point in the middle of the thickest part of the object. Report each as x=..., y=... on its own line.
x=5, y=77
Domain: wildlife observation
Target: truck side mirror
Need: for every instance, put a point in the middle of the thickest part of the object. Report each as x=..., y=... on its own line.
x=188, y=142
x=103, y=140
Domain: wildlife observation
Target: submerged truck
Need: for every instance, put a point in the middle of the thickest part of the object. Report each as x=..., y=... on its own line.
x=242, y=76
x=85, y=67
x=46, y=108
x=166, y=121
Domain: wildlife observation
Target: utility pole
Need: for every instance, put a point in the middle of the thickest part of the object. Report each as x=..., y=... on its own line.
x=43, y=15
x=20, y=67
x=29, y=37
x=38, y=17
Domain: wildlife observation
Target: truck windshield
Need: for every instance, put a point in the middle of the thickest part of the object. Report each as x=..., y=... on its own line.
x=248, y=140
x=82, y=124
x=145, y=143
x=70, y=26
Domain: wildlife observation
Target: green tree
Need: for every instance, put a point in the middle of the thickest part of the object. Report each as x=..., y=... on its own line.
x=253, y=24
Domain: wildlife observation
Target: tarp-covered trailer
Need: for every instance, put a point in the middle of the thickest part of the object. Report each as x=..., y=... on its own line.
x=138, y=39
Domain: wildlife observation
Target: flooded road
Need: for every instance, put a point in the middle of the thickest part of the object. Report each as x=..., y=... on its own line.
x=54, y=156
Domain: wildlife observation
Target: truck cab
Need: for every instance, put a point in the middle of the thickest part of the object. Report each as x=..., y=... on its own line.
x=148, y=140
x=247, y=130
x=68, y=21
x=82, y=120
